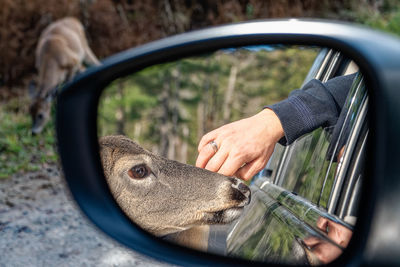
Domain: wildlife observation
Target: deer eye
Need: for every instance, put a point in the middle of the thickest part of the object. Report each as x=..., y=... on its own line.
x=139, y=171
x=40, y=116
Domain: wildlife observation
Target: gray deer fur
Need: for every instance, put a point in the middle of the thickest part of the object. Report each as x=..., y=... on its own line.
x=174, y=197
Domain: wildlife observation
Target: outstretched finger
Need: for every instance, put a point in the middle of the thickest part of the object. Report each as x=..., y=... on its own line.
x=250, y=169
x=216, y=161
x=231, y=165
x=207, y=138
x=205, y=154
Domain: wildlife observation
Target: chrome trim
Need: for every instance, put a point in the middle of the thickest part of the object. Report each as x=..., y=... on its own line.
x=342, y=167
x=318, y=67
x=354, y=197
x=354, y=183
x=331, y=67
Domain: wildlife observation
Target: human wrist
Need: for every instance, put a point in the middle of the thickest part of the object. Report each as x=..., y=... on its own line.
x=273, y=124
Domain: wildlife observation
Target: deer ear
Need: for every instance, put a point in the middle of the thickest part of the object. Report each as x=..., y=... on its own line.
x=32, y=89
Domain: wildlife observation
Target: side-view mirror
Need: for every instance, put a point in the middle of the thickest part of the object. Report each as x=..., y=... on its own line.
x=128, y=134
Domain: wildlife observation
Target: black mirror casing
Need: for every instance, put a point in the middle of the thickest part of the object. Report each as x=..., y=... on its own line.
x=377, y=55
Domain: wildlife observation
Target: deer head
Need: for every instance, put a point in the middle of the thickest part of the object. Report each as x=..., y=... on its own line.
x=40, y=107
x=165, y=196
x=61, y=52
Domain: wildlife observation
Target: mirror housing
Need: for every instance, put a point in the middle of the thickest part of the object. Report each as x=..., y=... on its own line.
x=377, y=55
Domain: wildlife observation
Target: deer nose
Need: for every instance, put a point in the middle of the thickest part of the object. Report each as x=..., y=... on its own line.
x=242, y=188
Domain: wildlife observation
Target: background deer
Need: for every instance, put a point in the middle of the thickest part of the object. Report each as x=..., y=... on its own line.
x=167, y=197
x=61, y=52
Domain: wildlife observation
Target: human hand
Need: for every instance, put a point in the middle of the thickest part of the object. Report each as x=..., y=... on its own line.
x=324, y=250
x=244, y=146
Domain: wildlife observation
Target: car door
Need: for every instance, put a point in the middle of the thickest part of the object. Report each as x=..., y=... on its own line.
x=304, y=203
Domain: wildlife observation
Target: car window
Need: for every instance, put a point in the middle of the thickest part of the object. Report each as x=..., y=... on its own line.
x=314, y=160
x=309, y=190
x=307, y=167
x=348, y=202
x=321, y=69
x=349, y=148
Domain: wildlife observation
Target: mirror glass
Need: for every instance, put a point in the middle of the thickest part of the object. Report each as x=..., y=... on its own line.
x=301, y=205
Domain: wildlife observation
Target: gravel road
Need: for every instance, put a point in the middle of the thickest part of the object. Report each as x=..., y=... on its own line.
x=41, y=226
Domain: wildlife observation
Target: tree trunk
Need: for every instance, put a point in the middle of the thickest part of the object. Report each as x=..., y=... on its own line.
x=212, y=106
x=200, y=119
x=164, y=124
x=184, y=146
x=120, y=113
x=137, y=130
x=228, y=99
x=203, y=106
x=174, y=134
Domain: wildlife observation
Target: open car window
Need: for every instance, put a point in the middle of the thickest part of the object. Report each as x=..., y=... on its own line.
x=310, y=189
x=314, y=167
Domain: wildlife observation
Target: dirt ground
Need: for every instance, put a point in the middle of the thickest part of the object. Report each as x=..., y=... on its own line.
x=41, y=226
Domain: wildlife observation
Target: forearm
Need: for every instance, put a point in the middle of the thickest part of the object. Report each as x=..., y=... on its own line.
x=315, y=105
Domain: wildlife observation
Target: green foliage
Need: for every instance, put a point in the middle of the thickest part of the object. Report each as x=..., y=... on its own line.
x=168, y=106
x=19, y=150
x=387, y=19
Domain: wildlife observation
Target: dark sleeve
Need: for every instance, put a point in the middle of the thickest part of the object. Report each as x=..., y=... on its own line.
x=316, y=105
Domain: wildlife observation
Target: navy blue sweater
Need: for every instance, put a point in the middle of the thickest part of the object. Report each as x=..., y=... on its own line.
x=316, y=105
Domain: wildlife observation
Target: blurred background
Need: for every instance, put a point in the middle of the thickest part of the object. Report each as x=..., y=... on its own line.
x=167, y=108
x=34, y=208
x=113, y=26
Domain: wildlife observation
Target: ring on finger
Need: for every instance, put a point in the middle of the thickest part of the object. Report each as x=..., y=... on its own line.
x=214, y=146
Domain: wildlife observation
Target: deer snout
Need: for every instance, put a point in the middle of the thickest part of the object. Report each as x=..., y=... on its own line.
x=241, y=191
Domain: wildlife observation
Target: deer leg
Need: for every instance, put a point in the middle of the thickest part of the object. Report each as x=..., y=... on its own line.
x=74, y=70
x=90, y=58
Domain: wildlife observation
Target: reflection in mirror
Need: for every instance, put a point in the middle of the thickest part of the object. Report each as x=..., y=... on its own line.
x=303, y=202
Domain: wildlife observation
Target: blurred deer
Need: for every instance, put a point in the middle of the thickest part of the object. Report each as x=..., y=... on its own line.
x=61, y=53
x=166, y=197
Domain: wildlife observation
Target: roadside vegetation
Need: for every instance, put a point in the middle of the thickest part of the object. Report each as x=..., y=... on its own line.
x=20, y=151
x=167, y=108
x=387, y=19
x=130, y=25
